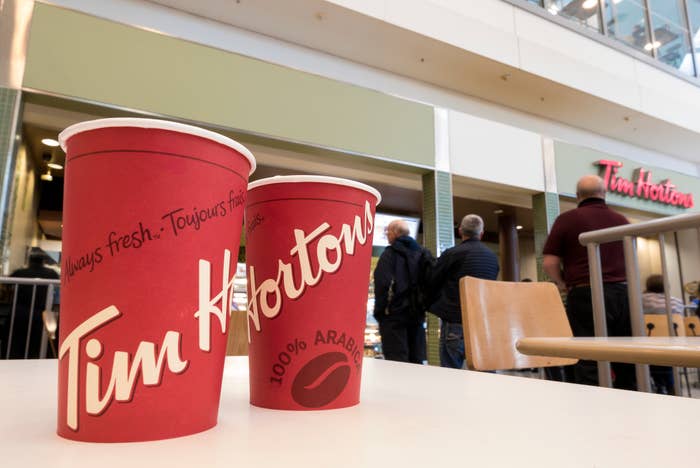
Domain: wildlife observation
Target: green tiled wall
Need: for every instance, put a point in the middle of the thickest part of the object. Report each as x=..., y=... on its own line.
x=438, y=235
x=8, y=126
x=545, y=208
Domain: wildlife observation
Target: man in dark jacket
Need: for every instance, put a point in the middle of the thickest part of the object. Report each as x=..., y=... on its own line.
x=398, y=270
x=470, y=258
x=566, y=262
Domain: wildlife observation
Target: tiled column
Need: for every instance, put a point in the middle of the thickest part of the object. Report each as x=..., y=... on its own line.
x=545, y=209
x=10, y=102
x=545, y=206
x=438, y=235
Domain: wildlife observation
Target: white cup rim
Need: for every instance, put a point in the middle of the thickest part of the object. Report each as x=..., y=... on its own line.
x=88, y=125
x=294, y=179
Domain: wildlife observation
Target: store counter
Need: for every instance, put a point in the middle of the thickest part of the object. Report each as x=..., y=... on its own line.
x=409, y=416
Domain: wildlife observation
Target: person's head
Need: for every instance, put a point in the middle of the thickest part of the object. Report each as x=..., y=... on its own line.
x=396, y=229
x=472, y=226
x=655, y=284
x=36, y=257
x=590, y=186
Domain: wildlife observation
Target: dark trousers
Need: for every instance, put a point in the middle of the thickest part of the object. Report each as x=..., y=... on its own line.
x=402, y=339
x=579, y=309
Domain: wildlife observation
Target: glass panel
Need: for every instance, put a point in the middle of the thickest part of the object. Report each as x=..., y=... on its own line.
x=584, y=12
x=536, y=2
x=626, y=22
x=670, y=34
x=694, y=13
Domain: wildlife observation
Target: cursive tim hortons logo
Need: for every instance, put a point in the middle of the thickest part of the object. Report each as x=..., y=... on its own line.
x=146, y=362
x=267, y=296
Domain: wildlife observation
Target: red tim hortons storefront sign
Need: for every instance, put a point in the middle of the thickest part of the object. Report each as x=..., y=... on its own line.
x=642, y=186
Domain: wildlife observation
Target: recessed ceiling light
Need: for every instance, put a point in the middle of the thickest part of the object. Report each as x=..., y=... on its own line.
x=49, y=142
x=58, y=167
x=518, y=227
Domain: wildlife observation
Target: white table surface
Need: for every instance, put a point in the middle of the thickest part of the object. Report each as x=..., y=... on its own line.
x=409, y=416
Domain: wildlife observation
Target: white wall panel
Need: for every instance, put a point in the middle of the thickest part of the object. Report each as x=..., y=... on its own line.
x=547, y=49
x=667, y=97
x=448, y=23
x=487, y=150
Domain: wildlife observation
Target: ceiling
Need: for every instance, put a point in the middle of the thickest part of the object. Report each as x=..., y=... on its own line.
x=344, y=33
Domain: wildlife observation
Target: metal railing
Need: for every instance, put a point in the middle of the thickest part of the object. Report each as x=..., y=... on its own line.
x=22, y=301
x=628, y=234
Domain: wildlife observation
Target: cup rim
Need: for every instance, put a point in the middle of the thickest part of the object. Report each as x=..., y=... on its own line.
x=155, y=124
x=294, y=179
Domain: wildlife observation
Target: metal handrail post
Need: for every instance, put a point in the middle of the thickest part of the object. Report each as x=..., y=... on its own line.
x=634, y=292
x=13, y=312
x=31, y=322
x=44, y=334
x=599, y=321
x=669, y=312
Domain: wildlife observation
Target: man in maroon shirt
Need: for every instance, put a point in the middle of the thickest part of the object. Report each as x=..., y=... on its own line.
x=566, y=262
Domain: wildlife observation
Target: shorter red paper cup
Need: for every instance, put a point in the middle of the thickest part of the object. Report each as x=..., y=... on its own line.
x=153, y=212
x=308, y=249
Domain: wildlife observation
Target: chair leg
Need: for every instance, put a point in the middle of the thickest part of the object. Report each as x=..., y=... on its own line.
x=687, y=381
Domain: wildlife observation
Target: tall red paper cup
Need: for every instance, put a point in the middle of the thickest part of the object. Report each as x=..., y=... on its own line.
x=151, y=226
x=308, y=250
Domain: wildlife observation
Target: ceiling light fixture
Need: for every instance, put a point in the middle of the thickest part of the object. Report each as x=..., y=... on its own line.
x=47, y=177
x=497, y=211
x=58, y=167
x=518, y=227
x=589, y=4
x=50, y=142
x=652, y=45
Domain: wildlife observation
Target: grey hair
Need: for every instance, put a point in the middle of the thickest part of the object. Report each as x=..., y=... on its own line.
x=471, y=226
x=400, y=227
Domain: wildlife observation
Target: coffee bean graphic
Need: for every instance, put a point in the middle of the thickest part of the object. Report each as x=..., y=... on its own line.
x=321, y=380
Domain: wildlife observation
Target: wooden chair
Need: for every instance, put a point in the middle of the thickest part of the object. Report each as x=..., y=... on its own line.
x=496, y=314
x=237, y=344
x=692, y=326
x=657, y=325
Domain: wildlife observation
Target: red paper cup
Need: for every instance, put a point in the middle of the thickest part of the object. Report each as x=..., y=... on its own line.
x=308, y=250
x=152, y=219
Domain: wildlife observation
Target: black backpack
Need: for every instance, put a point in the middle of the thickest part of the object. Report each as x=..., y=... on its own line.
x=419, y=268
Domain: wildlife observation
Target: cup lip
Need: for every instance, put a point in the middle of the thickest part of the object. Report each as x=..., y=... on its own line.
x=295, y=179
x=158, y=124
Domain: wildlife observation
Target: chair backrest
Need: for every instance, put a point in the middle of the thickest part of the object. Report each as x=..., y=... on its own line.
x=660, y=325
x=692, y=326
x=496, y=314
x=237, y=344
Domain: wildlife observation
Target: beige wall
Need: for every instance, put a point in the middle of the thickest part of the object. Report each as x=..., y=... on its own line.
x=528, y=259
x=487, y=150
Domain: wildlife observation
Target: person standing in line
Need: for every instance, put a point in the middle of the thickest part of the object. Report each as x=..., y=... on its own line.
x=469, y=258
x=566, y=262
x=654, y=303
x=396, y=276
x=26, y=296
